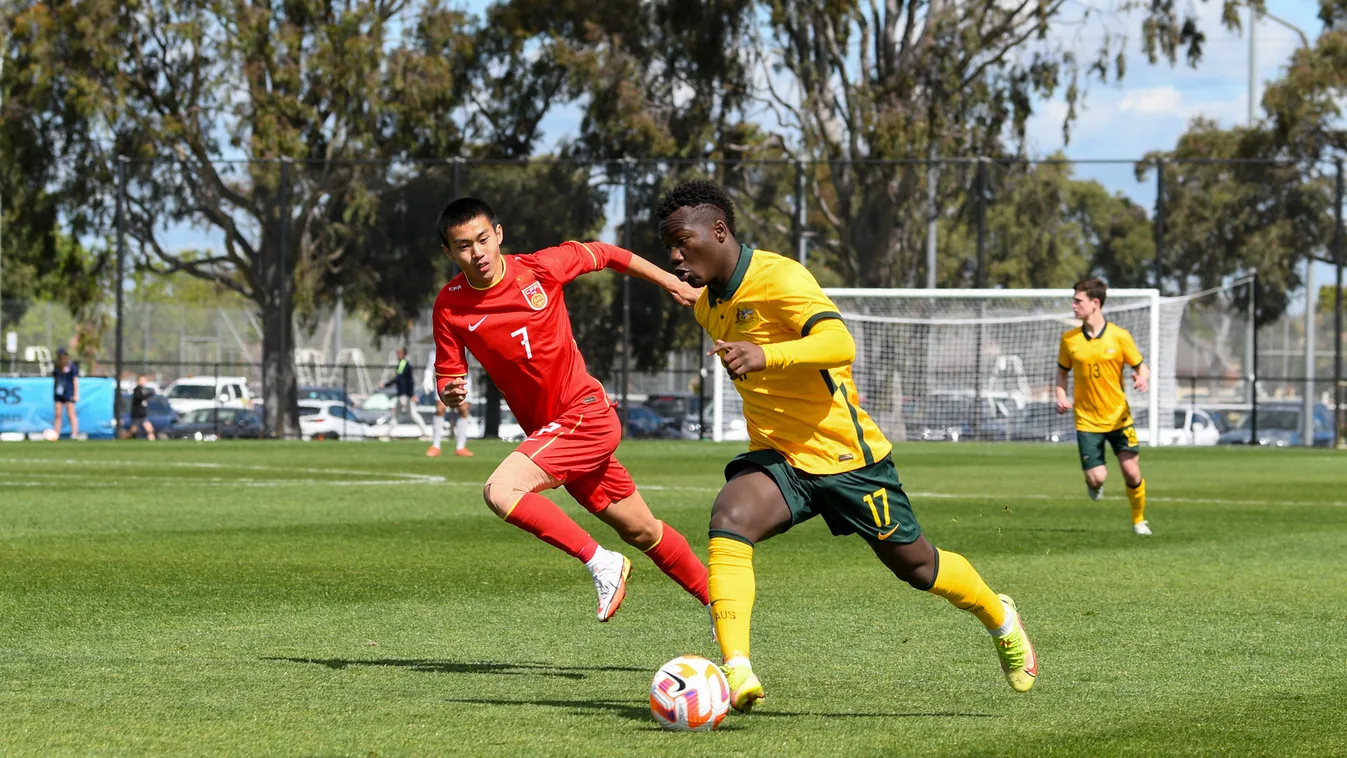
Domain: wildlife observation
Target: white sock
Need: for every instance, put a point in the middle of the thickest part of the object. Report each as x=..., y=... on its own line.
x=1008, y=625
x=739, y=660
x=601, y=557
x=436, y=431
x=461, y=432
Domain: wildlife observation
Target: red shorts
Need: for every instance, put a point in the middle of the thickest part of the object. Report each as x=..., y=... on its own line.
x=577, y=450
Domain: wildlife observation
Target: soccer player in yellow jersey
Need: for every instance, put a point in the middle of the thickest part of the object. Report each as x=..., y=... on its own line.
x=812, y=450
x=1095, y=354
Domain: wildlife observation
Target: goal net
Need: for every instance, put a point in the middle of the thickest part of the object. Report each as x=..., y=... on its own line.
x=980, y=364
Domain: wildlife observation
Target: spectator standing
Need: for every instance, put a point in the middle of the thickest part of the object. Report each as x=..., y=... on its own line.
x=405, y=382
x=140, y=402
x=65, y=392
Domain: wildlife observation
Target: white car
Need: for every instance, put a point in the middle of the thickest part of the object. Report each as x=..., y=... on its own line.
x=326, y=420
x=1192, y=426
x=197, y=392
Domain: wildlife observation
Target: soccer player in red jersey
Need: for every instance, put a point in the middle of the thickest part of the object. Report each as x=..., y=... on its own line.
x=510, y=313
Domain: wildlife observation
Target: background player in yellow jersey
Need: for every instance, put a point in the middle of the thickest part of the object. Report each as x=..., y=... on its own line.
x=812, y=449
x=1095, y=354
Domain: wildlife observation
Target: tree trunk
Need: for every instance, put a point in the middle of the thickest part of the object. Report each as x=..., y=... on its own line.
x=281, y=412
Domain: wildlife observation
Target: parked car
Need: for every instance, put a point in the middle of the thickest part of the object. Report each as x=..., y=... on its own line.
x=644, y=423
x=196, y=392
x=1279, y=425
x=684, y=407
x=207, y=424
x=1040, y=422
x=955, y=417
x=160, y=414
x=1191, y=426
x=329, y=420
x=325, y=393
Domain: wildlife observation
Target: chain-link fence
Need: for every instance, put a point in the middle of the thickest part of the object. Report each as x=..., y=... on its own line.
x=351, y=251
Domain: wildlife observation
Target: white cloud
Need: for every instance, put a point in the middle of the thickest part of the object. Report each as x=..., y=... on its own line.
x=1154, y=101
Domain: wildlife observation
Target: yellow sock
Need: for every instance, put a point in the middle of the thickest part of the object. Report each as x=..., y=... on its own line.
x=731, y=587
x=1137, y=499
x=958, y=582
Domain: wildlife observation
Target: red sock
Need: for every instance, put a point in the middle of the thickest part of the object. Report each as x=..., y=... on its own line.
x=542, y=518
x=673, y=555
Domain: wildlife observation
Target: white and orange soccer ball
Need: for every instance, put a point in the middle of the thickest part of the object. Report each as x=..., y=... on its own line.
x=689, y=694
x=50, y=434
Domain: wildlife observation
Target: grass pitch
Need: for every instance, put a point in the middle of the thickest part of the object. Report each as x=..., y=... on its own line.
x=358, y=599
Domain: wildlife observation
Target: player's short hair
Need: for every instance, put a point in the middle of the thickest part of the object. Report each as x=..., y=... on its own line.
x=698, y=193
x=1094, y=288
x=460, y=212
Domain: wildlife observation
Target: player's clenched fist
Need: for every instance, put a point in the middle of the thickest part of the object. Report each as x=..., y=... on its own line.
x=455, y=392
x=740, y=358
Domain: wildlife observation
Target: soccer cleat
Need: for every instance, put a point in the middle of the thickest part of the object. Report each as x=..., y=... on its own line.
x=745, y=689
x=1018, y=660
x=1095, y=494
x=610, y=581
x=463, y=452
x=433, y=452
x=1143, y=528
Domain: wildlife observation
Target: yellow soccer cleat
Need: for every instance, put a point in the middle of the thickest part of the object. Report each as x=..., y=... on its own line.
x=745, y=689
x=1018, y=660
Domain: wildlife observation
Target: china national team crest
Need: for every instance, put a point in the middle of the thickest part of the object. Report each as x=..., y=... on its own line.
x=536, y=296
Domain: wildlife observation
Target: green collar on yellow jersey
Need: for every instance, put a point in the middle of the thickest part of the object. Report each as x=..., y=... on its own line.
x=737, y=278
x=1084, y=333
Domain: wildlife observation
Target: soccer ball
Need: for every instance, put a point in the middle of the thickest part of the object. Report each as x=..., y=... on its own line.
x=689, y=694
x=50, y=434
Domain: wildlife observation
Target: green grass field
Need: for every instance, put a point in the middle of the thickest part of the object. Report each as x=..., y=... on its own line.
x=358, y=599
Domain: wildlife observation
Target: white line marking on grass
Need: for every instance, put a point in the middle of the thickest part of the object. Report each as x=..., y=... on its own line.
x=408, y=478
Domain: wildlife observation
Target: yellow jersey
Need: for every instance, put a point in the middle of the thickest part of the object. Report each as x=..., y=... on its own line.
x=809, y=416
x=1097, y=366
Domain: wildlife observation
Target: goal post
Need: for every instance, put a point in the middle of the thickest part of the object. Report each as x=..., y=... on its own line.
x=957, y=364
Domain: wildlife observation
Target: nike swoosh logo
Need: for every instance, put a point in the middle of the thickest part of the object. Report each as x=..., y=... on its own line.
x=885, y=535
x=682, y=685
x=473, y=327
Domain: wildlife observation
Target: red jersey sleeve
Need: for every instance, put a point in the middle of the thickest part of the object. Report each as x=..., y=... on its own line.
x=450, y=358
x=569, y=260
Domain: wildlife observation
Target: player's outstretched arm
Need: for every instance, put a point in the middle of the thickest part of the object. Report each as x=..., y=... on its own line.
x=682, y=292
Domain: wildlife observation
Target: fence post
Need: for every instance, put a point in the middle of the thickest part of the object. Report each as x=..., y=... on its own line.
x=932, y=217
x=121, y=280
x=215, y=417
x=1338, y=243
x=1253, y=373
x=285, y=366
x=626, y=290
x=1159, y=224
x=978, y=282
x=1307, y=386
x=801, y=251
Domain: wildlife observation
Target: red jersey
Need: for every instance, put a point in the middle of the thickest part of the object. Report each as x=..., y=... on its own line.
x=520, y=332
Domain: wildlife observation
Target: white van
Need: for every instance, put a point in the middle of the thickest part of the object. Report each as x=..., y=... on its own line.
x=196, y=392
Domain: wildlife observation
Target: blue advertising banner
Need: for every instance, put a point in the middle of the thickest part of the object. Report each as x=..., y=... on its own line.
x=26, y=406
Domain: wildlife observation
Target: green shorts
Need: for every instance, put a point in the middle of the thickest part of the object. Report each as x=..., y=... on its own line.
x=1091, y=445
x=868, y=501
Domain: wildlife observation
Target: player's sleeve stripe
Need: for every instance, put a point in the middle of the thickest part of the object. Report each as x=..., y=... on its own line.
x=1064, y=368
x=817, y=317
x=1138, y=363
x=592, y=256
x=450, y=376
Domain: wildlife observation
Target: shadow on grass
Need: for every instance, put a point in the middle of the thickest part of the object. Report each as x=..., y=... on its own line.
x=642, y=712
x=462, y=667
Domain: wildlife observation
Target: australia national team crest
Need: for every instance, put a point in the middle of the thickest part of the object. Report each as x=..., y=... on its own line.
x=535, y=295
